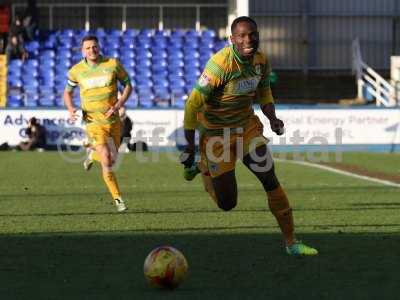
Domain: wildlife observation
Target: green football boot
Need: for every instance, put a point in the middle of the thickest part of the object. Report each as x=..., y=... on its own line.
x=300, y=249
x=190, y=173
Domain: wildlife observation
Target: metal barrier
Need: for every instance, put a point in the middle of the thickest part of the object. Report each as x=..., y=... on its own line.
x=370, y=81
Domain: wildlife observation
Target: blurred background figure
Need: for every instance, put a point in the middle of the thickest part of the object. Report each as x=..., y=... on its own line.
x=36, y=136
x=126, y=128
x=15, y=49
x=17, y=28
x=5, y=17
x=30, y=20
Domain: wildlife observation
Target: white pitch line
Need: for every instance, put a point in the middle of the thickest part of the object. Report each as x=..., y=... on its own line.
x=331, y=169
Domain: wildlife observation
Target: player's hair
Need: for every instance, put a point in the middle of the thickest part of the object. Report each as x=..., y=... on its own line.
x=242, y=19
x=89, y=38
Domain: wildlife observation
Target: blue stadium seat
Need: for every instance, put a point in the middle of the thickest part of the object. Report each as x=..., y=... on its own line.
x=49, y=44
x=47, y=100
x=159, y=65
x=218, y=45
x=30, y=83
x=112, y=43
x=65, y=42
x=31, y=99
x=174, y=63
x=128, y=63
x=63, y=53
x=47, y=54
x=145, y=33
x=160, y=83
x=31, y=63
x=111, y=53
x=127, y=43
x=178, y=98
x=190, y=83
x=142, y=54
x=189, y=51
x=67, y=33
x=127, y=53
x=146, y=98
x=160, y=73
x=159, y=53
x=115, y=33
x=100, y=32
x=15, y=63
x=32, y=46
x=191, y=63
x=208, y=34
x=143, y=64
x=76, y=57
x=192, y=72
x=130, y=32
x=15, y=100
x=14, y=71
x=29, y=74
x=15, y=82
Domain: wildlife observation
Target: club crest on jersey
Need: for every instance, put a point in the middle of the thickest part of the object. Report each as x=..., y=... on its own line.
x=213, y=166
x=204, y=80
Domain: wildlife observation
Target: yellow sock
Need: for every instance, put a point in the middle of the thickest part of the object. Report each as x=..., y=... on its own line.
x=279, y=206
x=112, y=185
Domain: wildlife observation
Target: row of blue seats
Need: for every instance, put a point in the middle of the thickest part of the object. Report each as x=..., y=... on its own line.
x=161, y=64
x=131, y=32
x=143, y=100
x=131, y=44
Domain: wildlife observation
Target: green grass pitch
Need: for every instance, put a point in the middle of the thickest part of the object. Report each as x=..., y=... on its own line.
x=60, y=237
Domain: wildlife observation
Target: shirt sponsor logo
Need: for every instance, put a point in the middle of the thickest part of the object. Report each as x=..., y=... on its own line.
x=247, y=85
x=96, y=82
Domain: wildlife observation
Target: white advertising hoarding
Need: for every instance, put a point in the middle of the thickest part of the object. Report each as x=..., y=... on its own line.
x=164, y=127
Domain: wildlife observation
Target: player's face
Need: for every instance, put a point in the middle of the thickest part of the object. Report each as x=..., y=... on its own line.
x=246, y=39
x=91, y=50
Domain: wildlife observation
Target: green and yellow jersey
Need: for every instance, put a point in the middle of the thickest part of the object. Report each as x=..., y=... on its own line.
x=227, y=89
x=98, y=87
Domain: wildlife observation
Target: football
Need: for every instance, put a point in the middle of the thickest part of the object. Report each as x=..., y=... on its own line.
x=165, y=267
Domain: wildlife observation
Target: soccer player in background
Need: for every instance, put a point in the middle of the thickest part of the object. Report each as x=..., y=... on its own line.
x=220, y=107
x=97, y=77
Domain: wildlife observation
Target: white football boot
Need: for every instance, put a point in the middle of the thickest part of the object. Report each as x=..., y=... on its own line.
x=88, y=162
x=119, y=203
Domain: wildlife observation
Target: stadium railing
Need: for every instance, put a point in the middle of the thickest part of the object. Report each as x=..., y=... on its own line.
x=370, y=85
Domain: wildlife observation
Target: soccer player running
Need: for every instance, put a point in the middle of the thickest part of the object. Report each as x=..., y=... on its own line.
x=220, y=107
x=97, y=77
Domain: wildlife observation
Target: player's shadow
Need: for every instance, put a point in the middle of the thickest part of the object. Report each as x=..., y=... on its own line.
x=176, y=191
x=222, y=264
x=131, y=211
